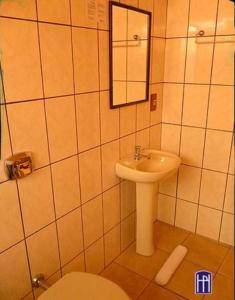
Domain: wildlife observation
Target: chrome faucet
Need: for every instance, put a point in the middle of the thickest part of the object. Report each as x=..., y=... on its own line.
x=138, y=154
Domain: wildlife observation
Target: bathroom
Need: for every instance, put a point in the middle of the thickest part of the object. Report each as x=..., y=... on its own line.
x=70, y=129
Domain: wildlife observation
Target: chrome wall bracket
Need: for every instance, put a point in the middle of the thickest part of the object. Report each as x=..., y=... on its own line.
x=38, y=281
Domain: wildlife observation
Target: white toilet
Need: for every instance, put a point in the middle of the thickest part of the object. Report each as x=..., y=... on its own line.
x=84, y=286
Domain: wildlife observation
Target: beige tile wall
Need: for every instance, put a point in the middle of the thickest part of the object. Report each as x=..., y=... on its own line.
x=72, y=213
x=197, y=118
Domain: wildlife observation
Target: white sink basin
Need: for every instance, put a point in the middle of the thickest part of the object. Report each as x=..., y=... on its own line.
x=157, y=166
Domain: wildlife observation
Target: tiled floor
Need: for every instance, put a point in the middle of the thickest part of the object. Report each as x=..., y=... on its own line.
x=135, y=273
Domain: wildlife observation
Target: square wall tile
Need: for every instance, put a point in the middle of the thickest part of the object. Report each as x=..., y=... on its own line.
x=87, y=106
x=212, y=189
x=158, y=53
x=110, y=155
x=11, y=230
x=199, y=61
x=112, y=244
x=127, y=146
x=155, y=136
x=127, y=120
x=209, y=229
x=66, y=185
x=54, y=11
x=43, y=251
x=70, y=236
x=92, y=220
x=168, y=186
x=170, y=138
x=104, y=60
x=166, y=209
x=26, y=10
x=75, y=265
x=229, y=195
x=94, y=256
x=195, y=105
x=159, y=18
x=217, y=149
x=109, y=119
x=143, y=115
x=172, y=103
x=20, y=60
x=231, y=163
x=142, y=138
x=189, y=183
x=85, y=48
x=175, y=60
x=128, y=198
x=61, y=127
x=223, y=64
x=192, y=143
x=202, y=18
x=221, y=108
x=177, y=18
x=15, y=277
x=225, y=20
x=186, y=215
x=127, y=231
x=227, y=229
x=79, y=14
x=111, y=207
x=29, y=134
x=56, y=52
x=36, y=216
x=90, y=174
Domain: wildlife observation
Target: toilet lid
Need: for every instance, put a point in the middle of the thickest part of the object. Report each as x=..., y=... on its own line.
x=84, y=286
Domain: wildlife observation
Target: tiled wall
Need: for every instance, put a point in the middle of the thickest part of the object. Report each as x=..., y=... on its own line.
x=197, y=119
x=72, y=213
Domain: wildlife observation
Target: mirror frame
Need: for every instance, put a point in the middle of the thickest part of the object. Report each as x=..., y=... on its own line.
x=111, y=4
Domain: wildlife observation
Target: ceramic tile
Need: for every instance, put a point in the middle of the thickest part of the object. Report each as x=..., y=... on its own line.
x=127, y=146
x=227, y=229
x=90, y=174
x=75, y=265
x=62, y=135
x=168, y=186
x=189, y=183
x=15, y=277
x=56, y=52
x=143, y=115
x=170, y=138
x=142, y=138
x=158, y=48
x=229, y=195
x=225, y=21
x=166, y=209
x=146, y=266
x=231, y=163
x=94, y=256
x=154, y=291
x=26, y=10
x=79, y=14
x=22, y=76
x=87, y=108
x=133, y=284
x=51, y=280
x=112, y=244
x=211, y=229
x=111, y=208
x=85, y=48
x=11, y=230
x=128, y=198
x=36, y=216
x=217, y=149
x=43, y=251
x=127, y=231
x=227, y=267
x=192, y=143
x=70, y=236
x=92, y=220
x=155, y=137
x=29, y=134
x=66, y=185
x=223, y=288
x=186, y=215
x=53, y=11
x=156, y=116
x=127, y=120
x=104, y=60
x=110, y=155
x=159, y=18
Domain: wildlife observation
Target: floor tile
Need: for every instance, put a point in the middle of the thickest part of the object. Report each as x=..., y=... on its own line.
x=205, y=252
x=167, y=237
x=131, y=282
x=227, y=267
x=147, y=266
x=223, y=289
x=182, y=281
x=154, y=291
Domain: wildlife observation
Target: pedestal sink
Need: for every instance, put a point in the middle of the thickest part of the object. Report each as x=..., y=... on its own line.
x=152, y=167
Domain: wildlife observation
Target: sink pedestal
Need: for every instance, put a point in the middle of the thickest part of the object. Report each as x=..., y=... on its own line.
x=145, y=197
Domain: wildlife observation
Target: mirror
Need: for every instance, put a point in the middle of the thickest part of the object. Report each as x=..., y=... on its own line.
x=130, y=30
